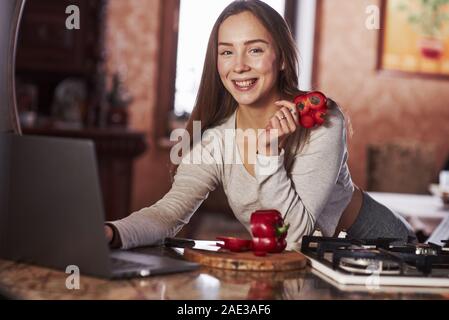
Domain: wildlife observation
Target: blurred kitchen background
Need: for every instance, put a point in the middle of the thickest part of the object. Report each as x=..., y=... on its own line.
x=129, y=75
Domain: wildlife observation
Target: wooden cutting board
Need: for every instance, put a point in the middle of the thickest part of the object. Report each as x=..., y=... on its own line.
x=225, y=259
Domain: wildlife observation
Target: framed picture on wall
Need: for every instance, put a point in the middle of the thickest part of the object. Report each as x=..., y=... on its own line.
x=414, y=38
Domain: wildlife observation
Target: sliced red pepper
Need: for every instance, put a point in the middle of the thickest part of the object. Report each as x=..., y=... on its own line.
x=235, y=244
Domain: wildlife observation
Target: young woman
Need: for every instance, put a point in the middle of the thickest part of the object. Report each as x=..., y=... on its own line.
x=249, y=81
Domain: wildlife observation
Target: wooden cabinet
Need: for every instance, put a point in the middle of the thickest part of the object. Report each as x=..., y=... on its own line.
x=45, y=44
x=48, y=52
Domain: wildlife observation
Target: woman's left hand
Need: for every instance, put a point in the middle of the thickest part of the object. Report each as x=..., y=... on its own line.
x=285, y=120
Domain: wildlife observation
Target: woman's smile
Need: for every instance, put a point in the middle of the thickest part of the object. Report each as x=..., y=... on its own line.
x=245, y=85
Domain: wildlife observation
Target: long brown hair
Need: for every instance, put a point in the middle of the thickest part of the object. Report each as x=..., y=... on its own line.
x=214, y=104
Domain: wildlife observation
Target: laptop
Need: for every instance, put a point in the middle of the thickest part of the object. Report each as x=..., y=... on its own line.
x=52, y=212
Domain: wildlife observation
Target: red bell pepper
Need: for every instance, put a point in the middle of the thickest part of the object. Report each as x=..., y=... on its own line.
x=307, y=121
x=319, y=117
x=269, y=232
x=312, y=109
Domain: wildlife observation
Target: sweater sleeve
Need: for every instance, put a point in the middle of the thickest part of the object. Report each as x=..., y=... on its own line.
x=196, y=176
x=302, y=196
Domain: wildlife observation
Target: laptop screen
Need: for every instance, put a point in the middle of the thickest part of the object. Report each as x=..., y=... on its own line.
x=53, y=212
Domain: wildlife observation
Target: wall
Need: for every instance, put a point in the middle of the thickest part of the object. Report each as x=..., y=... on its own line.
x=381, y=108
x=132, y=42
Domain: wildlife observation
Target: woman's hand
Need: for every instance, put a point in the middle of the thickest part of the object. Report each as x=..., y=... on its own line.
x=285, y=121
x=109, y=233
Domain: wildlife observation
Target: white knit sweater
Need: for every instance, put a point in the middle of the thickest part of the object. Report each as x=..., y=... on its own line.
x=312, y=195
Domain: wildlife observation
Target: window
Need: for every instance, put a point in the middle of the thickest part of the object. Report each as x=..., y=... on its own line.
x=190, y=56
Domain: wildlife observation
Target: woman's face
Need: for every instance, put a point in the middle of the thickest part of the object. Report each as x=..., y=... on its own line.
x=247, y=61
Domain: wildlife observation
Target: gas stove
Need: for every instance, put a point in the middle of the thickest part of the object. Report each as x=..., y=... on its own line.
x=378, y=262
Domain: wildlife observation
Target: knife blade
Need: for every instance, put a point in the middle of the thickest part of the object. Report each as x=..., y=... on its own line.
x=193, y=244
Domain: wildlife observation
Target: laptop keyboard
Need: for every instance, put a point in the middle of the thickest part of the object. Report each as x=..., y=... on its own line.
x=124, y=264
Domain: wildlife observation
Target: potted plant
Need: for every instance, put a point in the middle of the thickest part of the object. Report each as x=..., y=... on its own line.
x=428, y=18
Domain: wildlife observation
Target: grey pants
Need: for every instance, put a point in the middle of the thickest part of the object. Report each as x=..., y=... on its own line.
x=377, y=221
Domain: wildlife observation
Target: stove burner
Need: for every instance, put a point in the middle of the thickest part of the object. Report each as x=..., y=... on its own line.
x=425, y=250
x=354, y=261
x=367, y=256
x=369, y=266
x=446, y=243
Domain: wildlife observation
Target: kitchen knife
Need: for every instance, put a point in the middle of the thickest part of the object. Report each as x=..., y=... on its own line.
x=193, y=244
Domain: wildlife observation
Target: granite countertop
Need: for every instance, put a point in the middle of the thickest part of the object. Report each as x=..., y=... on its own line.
x=33, y=282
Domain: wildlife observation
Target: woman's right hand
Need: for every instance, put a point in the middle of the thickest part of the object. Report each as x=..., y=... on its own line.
x=109, y=233
x=285, y=121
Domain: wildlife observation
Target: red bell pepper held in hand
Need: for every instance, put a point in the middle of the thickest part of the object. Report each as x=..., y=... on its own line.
x=319, y=117
x=307, y=121
x=318, y=101
x=312, y=108
x=302, y=106
x=269, y=232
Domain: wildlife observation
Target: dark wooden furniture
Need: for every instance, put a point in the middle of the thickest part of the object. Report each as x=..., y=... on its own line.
x=116, y=151
x=48, y=52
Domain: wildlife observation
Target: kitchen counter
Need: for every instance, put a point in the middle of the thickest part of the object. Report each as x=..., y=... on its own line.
x=33, y=282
